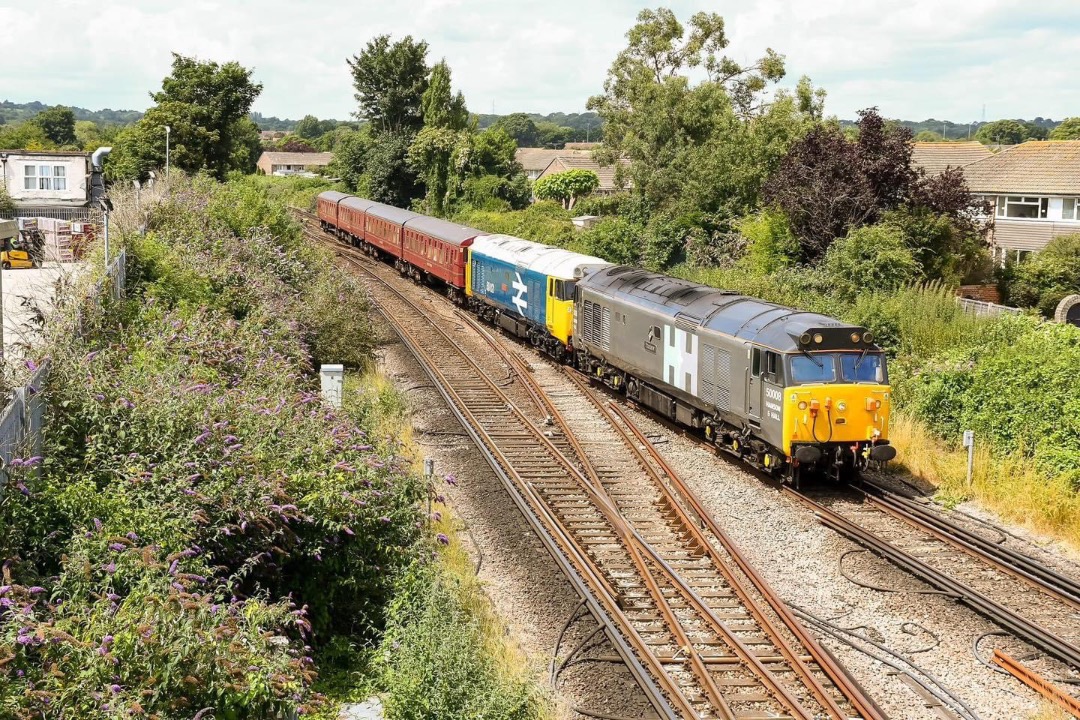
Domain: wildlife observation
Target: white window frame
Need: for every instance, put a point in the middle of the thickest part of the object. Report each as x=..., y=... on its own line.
x=1041, y=205
x=1075, y=215
x=30, y=177
x=45, y=177
x=59, y=178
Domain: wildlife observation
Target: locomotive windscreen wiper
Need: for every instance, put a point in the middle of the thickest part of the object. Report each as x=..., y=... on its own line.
x=812, y=358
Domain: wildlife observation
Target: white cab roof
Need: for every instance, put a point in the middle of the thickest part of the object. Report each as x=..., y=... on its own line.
x=544, y=259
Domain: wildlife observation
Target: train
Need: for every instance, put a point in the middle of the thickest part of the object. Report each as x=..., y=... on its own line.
x=795, y=393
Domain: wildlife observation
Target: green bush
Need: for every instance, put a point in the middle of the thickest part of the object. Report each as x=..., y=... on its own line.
x=872, y=257
x=1015, y=385
x=543, y=222
x=1047, y=277
x=771, y=245
x=615, y=240
x=200, y=515
x=435, y=659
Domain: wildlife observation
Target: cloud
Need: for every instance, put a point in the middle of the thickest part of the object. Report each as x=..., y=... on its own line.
x=922, y=58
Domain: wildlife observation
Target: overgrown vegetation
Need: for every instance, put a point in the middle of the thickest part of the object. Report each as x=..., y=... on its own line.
x=202, y=530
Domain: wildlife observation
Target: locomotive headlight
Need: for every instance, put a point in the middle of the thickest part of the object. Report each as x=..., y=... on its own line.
x=802, y=405
x=841, y=406
x=818, y=338
x=854, y=337
x=868, y=337
x=805, y=338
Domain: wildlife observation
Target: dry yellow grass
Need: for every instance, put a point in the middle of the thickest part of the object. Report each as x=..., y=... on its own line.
x=1050, y=712
x=1009, y=486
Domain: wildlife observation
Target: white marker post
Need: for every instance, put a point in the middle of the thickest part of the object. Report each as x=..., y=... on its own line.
x=333, y=379
x=969, y=443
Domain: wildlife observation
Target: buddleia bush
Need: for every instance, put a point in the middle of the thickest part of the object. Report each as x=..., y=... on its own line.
x=200, y=520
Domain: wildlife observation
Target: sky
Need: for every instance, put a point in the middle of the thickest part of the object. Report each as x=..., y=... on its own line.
x=945, y=59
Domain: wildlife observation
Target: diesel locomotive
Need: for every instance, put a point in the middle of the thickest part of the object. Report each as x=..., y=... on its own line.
x=793, y=392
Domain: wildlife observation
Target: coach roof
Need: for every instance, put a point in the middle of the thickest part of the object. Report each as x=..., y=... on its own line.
x=442, y=230
x=391, y=213
x=333, y=196
x=357, y=203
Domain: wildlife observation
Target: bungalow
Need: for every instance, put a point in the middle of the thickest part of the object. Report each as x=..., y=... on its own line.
x=51, y=183
x=935, y=157
x=562, y=163
x=288, y=163
x=536, y=160
x=1034, y=189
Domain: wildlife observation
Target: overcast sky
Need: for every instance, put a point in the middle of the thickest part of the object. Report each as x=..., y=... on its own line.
x=914, y=59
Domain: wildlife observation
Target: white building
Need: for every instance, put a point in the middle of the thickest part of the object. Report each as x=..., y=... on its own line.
x=48, y=182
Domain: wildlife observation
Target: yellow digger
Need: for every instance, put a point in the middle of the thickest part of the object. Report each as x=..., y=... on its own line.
x=15, y=250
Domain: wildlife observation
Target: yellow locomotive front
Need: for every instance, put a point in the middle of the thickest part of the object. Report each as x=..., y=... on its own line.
x=837, y=405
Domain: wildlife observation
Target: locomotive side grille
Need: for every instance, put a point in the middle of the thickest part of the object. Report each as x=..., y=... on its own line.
x=716, y=377
x=597, y=324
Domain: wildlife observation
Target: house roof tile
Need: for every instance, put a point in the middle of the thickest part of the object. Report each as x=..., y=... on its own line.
x=1050, y=167
x=293, y=158
x=935, y=157
x=537, y=159
x=606, y=175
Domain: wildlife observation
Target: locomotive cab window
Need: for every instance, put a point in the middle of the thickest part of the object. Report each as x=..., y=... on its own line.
x=772, y=363
x=564, y=289
x=755, y=362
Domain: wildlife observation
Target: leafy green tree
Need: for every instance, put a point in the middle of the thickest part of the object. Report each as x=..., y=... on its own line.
x=521, y=128
x=310, y=127
x=1045, y=279
x=440, y=152
x=551, y=135
x=350, y=157
x=1035, y=131
x=874, y=257
x=24, y=136
x=1069, y=129
x=58, y=124
x=388, y=176
x=390, y=80
x=928, y=136
x=567, y=186
x=1002, y=132
x=695, y=146
x=207, y=107
x=7, y=205
x=494, y=153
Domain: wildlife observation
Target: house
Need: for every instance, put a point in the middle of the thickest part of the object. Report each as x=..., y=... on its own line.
x=53, y=183
x=1034, y=189
x=935, y=157
x=562, y=163
x=287, y=163
x=536, y=160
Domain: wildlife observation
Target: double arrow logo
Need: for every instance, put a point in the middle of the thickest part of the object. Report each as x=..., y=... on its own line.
x=519, y=300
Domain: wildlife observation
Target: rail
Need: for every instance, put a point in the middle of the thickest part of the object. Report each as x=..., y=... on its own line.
x=583, y=528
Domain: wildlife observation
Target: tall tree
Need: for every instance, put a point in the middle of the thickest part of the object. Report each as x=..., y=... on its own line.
x=308, y=127
x=58, y=124
x=1002, y=132
x=520, y=127
x=657, y=118
x=1069, y=129
x=440, y=152
x=206, y=106
x=390, y=80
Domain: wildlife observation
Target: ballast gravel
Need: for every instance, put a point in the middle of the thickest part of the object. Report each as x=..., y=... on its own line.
x=800, y=558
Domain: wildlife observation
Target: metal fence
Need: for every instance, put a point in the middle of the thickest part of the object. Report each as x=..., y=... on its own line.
x=986, y=309
x=22, y=419
x=74, y=214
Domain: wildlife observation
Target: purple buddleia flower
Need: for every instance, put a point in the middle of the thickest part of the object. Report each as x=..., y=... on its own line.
x=31, y=365
x=36, y=590
x=443, y=540
x=97, y=524
x=202, y=438
x=451, y=479
x=110, y=568
x=118, y=547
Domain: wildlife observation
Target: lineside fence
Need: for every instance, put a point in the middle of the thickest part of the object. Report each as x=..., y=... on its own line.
x=986, y=309
x=22, y=419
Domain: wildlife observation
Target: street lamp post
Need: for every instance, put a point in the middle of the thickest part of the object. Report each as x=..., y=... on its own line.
x=167, y=131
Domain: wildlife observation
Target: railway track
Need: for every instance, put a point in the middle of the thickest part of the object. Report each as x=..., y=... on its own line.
x=704, y=636
x=1031, y=601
